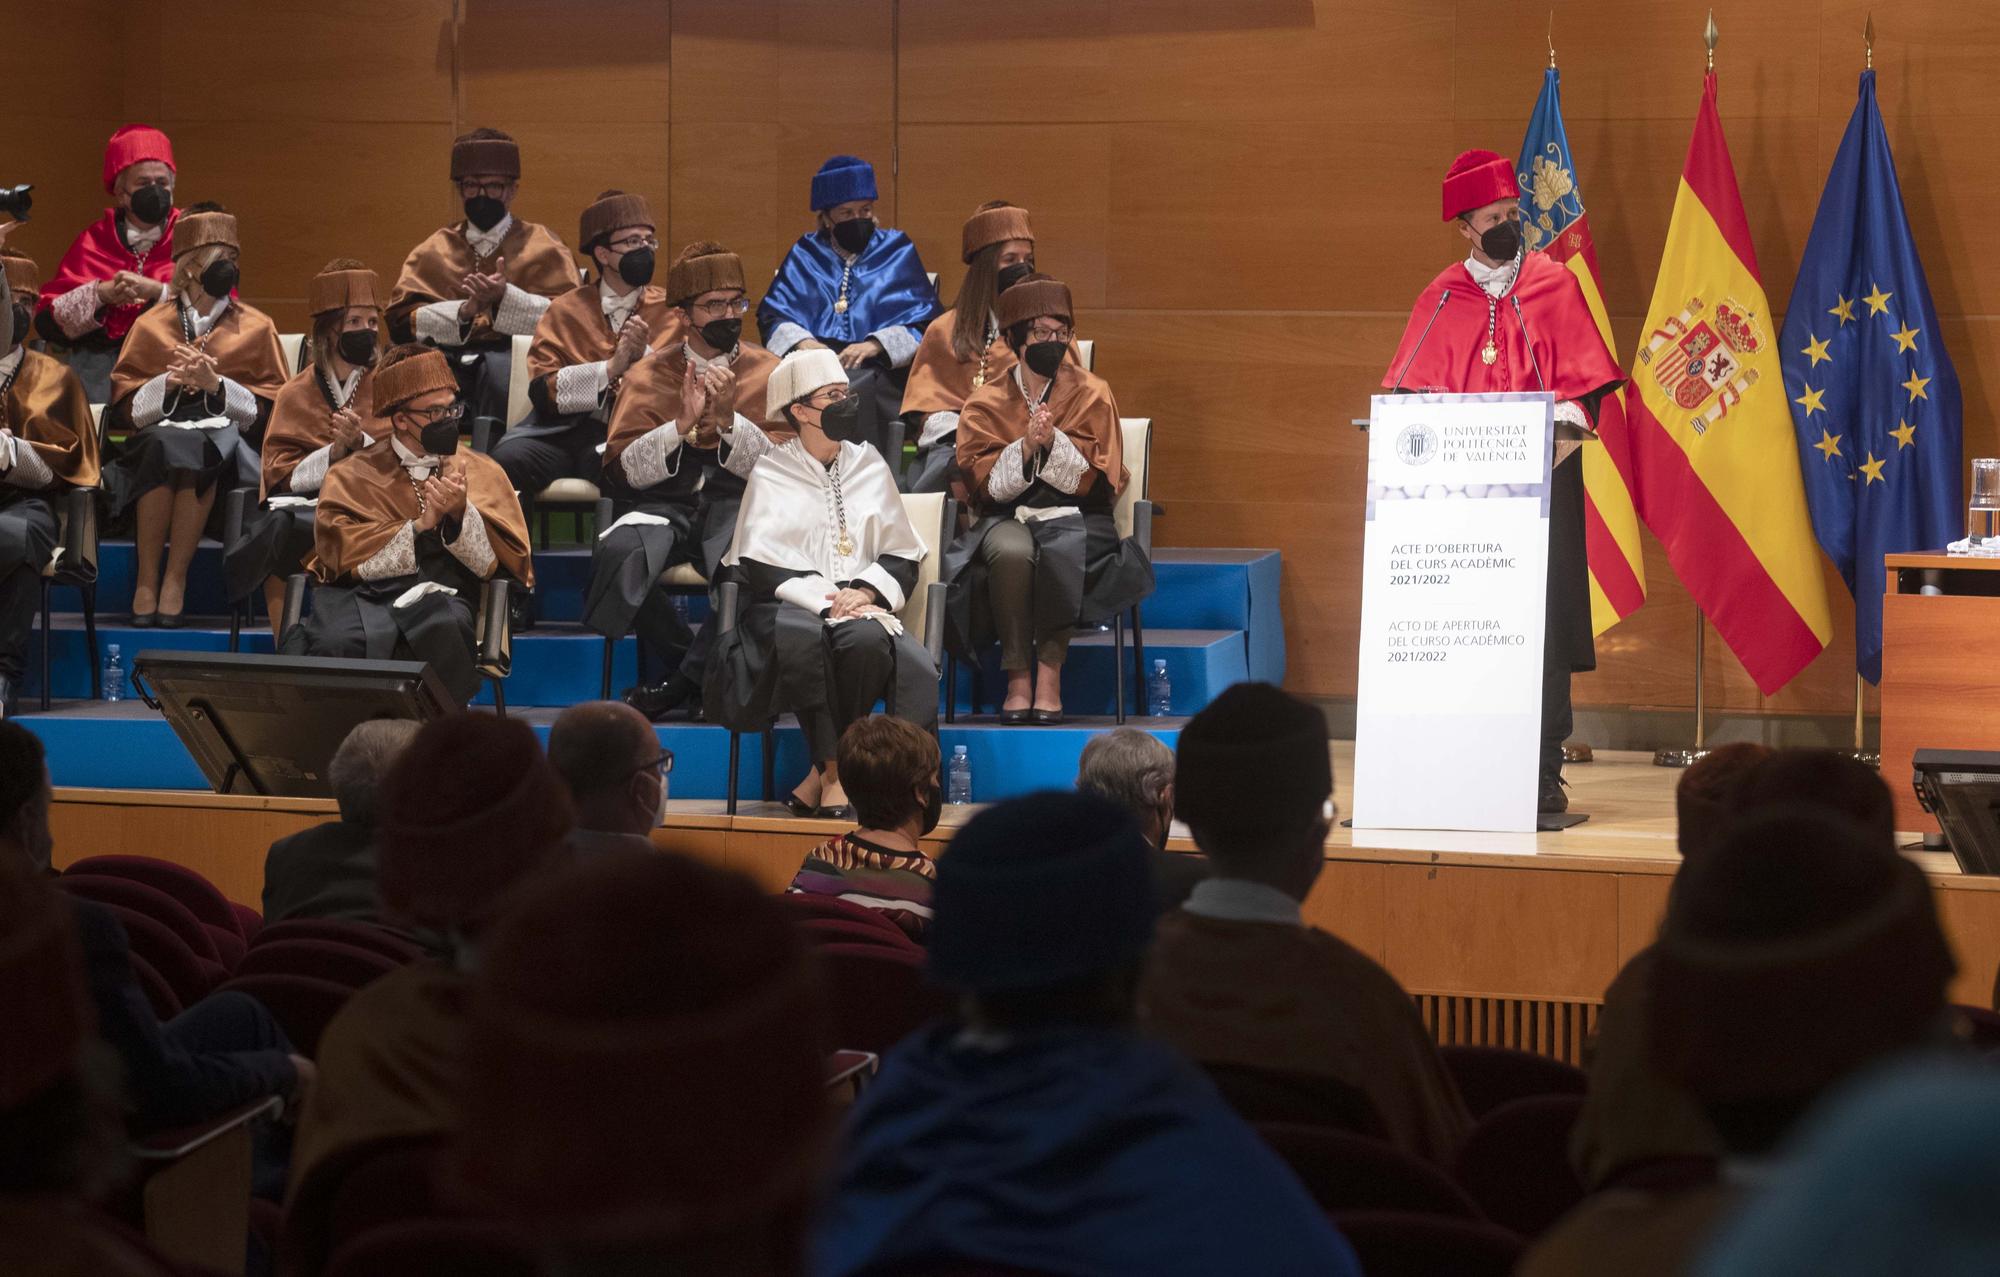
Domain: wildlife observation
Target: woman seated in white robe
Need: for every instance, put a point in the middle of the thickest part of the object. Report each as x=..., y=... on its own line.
x=825, y=557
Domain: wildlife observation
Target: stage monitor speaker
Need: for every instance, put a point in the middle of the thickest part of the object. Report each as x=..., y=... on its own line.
x=269, y=724
x=1962, y=789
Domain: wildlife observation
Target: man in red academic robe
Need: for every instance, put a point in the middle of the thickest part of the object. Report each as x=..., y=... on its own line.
x=119, y=265
x=1507, y=319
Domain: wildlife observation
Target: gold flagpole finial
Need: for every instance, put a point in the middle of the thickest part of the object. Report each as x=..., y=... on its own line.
x=1868, y=40
x=1709, y=38
x=1552, y=39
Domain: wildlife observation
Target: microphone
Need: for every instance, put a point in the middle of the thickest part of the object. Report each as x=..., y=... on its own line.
x=1420, y=341
x=1527, y=341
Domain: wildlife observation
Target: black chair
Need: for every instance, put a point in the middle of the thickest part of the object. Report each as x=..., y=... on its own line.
x=1516, y=1165
x=1489, y=1076
x=235, y=512
x=75, y=564
x=492, y=631
x=683, y=579
x=1276, y=1095
x=923, y=612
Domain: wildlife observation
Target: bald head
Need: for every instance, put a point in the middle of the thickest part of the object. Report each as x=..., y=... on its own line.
x=602, y=751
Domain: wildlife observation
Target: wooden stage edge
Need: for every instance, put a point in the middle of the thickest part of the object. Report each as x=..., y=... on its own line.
x=1507, y=939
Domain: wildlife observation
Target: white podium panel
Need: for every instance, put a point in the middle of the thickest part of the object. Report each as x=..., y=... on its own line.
x=1454, y=581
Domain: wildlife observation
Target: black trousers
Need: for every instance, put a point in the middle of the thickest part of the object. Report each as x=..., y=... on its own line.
x=482, y=381
x=20, y=598
x=1558, y=718
x=27, y=540
x=535, y=456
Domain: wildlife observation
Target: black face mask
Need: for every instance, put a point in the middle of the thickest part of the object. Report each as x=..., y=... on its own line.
x=853, y=235
x=356, y=345
x=636, y=267
x=722, y=334
x=842, y=421
x=220, y=278
x=1044, y=357
x=1501, y=241
x=151, y=203
x=440, y=438
x=934, y=808
x=484, y=211
x=21, y=317
x=1012, y=275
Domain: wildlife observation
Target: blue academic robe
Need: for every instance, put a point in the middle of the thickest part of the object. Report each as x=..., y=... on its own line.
x=888, y=287
x=1073, y=1151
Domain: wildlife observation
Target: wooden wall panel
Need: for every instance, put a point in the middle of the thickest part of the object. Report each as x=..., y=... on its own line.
x=1527, y=934
x=62, y=104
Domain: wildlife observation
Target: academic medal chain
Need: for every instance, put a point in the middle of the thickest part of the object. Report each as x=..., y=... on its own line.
x=840, y=302
x=843, y=544
x=1490, y=352
x=979, y=378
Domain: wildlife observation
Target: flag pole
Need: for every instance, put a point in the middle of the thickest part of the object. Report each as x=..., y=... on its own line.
x=1862, y=753
x=1673, y=757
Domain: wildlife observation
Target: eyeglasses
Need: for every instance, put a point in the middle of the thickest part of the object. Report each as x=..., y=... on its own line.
x=663, y=766
x=634, y=245
x=1049, y=334
x=468, y=188
x=454, y=411
x=841, y=394
x=735, y=307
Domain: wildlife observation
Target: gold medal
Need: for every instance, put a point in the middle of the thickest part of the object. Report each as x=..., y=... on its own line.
x=840, y=306
x=1488, y=353
x=845, y=546
x=978, y=380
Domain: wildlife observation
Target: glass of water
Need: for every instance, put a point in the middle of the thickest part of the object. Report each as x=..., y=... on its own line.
x=1982, y=513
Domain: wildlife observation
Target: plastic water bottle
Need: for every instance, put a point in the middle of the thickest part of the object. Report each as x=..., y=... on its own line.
x=114, y=674
x=1159, y=692
x=958, y=785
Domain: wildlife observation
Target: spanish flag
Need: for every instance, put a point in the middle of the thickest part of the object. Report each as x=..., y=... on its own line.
x=1713, y=453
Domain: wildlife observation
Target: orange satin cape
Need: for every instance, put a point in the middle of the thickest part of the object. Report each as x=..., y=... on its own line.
x=367, y=498
x=302, y=423
x=537, y=262
x=243, y=341
x=573, y=331
x=652, y=394
x=996, y=415
x=46, y=407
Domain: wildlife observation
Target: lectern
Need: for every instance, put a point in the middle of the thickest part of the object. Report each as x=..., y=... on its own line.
x=1940, y=681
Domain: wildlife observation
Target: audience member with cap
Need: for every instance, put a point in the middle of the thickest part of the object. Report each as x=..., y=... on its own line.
x=62, y=1147
x=117, y=266
x=1040, y=1130
x=1135, y=769
x=616, y=770
x=1797, y=951
x=1237, y=978
x=216, y=1055
x=650, y=1094
x=890, y=771
x=328, y=870
x=858, y=288
x=470, y=811
x=1632, y=1114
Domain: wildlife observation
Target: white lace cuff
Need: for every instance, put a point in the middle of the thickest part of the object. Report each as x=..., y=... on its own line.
x=747, y=442
x=438, y=323
x=1066, y=466
x=1009, y=477
x=784, y=337
x=898, y=342
x=646, y=458
x=884, y=584
x=310, y=472
x=76, y=311
x=24, y=467
x=472, y=548
x=581, y=387
x=149, y=403
x=808, y=592
x=398, y=558
x=238, y=404
x=519, y=311
x=938, y=427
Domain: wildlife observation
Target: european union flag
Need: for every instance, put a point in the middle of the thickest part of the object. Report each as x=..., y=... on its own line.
x=1874, y=396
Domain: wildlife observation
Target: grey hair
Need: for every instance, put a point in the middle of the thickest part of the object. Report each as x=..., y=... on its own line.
x=363, y=759
x=1128, y=767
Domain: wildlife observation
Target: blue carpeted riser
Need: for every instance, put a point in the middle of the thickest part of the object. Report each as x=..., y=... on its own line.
x=1200, y=663
x=132, y=749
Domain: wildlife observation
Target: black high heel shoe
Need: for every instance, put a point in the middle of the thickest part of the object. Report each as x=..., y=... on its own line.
x=800, y=807
x=1045, y=717
x=1013, y=717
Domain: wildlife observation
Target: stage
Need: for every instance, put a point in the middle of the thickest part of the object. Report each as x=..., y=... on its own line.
x=1504, y=939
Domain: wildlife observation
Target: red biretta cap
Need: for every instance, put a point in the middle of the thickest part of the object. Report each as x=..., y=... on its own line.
x=132, y=144
x=1476, y=179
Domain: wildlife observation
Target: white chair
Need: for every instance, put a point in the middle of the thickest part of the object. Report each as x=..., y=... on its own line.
x=922, y=615
x=574, y=494
x=1086, y=353
x=294, y=346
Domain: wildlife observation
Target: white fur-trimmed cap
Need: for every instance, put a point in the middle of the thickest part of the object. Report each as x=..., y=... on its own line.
x=798, y=375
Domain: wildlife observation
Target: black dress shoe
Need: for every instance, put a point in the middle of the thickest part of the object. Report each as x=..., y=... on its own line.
x=1045, y=717
x=658, y=700
x=842, y=812
x=6, y=697
x=1551, y=800
x=1013, y=717
x=171, y=620
x=522, y=611
x=145, y=620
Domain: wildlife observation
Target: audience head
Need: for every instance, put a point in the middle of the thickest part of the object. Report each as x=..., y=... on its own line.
x=844, y=191
x=1254, y=782
x=206, y=251
x=345, y=301
x=1135, y=770
x=24, y=285
x=804, y=385
x=486, y=169
x=139, y=173
x=1038, y=320
x=61, y=1131
x=617, y=233
x=611, y=760
x=1043, y=911
x=650, y=1077
x=25, y=796
x=889, y=769
x=1824, y=778
x=416, y=391
x=1706, y=794
x=361, y=764
x=470, y=809
x=1795, y=951
x=706, y=283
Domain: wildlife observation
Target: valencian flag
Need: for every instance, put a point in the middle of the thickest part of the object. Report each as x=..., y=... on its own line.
x=1716, y=467
x=1554, y=222
x=1873, y=393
